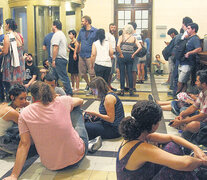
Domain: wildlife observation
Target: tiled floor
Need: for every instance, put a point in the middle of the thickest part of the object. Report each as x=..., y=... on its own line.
x=101, y=165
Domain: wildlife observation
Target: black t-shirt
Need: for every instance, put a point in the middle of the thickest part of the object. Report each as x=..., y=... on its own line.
x=30, y=71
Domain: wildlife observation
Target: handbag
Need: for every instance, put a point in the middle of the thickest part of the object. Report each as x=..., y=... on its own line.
x=142, y=52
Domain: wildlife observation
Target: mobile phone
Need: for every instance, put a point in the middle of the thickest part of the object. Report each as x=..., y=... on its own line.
x=170, y=123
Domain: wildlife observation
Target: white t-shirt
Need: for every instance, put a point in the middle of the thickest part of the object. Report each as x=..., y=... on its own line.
x=60, y=40
x=102, y=53
x=111, y=40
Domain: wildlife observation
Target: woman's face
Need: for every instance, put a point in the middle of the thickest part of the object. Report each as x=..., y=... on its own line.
x=71, y=36
x=20, y=100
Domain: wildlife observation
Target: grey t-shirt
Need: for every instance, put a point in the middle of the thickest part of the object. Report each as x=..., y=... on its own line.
x=60, y=40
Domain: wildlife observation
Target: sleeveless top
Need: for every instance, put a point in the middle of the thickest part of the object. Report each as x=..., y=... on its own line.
x=127, y=47
x=119, y=112
x=102, y=55
x=4, y=125
x=147, y=171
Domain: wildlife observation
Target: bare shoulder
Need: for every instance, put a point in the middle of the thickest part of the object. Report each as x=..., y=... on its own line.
x=110, y=98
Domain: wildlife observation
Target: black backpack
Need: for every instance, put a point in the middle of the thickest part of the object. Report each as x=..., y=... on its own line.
x=180, y=49
x=167, y=51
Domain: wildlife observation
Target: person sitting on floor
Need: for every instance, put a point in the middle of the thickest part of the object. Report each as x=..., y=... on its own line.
x=59, y=135
x=195, y=123
x=31, y=70
x=139, y=159
x=50, y=79
x=158, y=65
x=110, y=113
x=47, y=69
x=176, y=106
x=9, y=115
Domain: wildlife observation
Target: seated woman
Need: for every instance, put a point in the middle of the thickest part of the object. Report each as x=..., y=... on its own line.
x=110, y=113
x=9, y=113
x=138, y=159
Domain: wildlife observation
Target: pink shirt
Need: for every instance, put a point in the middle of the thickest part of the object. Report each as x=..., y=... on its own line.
x=56, y=141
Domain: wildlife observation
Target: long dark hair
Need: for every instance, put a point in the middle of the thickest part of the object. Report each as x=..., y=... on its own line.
x=100, y=35
x=144, y=114
x=42, y=92
x=100, y=84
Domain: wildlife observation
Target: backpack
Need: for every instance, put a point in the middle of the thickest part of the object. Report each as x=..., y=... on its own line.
x=180, y=49
x=142, y=52
x=167, y=51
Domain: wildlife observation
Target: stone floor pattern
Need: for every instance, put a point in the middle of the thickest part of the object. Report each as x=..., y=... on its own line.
x=102, y=164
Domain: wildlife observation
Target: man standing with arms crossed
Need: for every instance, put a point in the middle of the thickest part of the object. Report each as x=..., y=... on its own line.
x=59, y=55
x=86, y=37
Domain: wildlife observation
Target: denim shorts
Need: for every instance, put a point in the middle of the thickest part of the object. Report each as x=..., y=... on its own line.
x=184, y=73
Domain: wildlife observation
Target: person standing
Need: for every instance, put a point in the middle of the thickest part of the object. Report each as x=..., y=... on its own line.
x=46, y=45
x=193, y=46
x=1, y=58
x=58, y=50
x=86, y=37
x=13, y=65
x=73, y=63
x=101, y=55
x=110, y=36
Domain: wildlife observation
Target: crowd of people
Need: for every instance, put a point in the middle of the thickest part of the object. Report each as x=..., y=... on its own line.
x=63, y=133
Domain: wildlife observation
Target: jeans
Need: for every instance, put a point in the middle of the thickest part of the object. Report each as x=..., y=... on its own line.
x=126, y=63
x=98, y=128
x=175, y=77
x=61, y=71
x=171, y=69
x=102, y=71
x=79, y=126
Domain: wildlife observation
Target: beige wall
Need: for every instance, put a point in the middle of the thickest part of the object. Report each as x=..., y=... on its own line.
x=168, y=13
x=100, y=11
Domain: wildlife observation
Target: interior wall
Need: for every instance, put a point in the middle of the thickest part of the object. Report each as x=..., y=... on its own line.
x=100, y=11
x=167, y=13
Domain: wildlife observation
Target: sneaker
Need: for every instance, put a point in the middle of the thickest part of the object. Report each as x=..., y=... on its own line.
x=151, y=98
x=170, y=93
x=87, y=88
x=94, y=144
x=126, y=89
x=134, y=89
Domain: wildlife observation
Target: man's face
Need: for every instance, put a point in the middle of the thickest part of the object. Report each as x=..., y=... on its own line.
x=83, y=23
x=53, y=28
x=51, y=83
x=29, y=60
x=172, y=35
x=190, y=31
x=112, y=29
x=198, y=83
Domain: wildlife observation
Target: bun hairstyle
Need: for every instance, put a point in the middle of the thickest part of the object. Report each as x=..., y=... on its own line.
x=12, y=24
x=42, y=92
x=145, y=114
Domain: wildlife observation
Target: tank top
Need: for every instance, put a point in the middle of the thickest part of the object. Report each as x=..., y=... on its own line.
x=4, y=125
x=127, y=47
x=119, y=112
x=146, y=172
x=102, y=53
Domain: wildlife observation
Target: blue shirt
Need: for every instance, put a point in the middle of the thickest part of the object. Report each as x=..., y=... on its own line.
x=46, y=43
x=86, y=38
x=193, y=43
